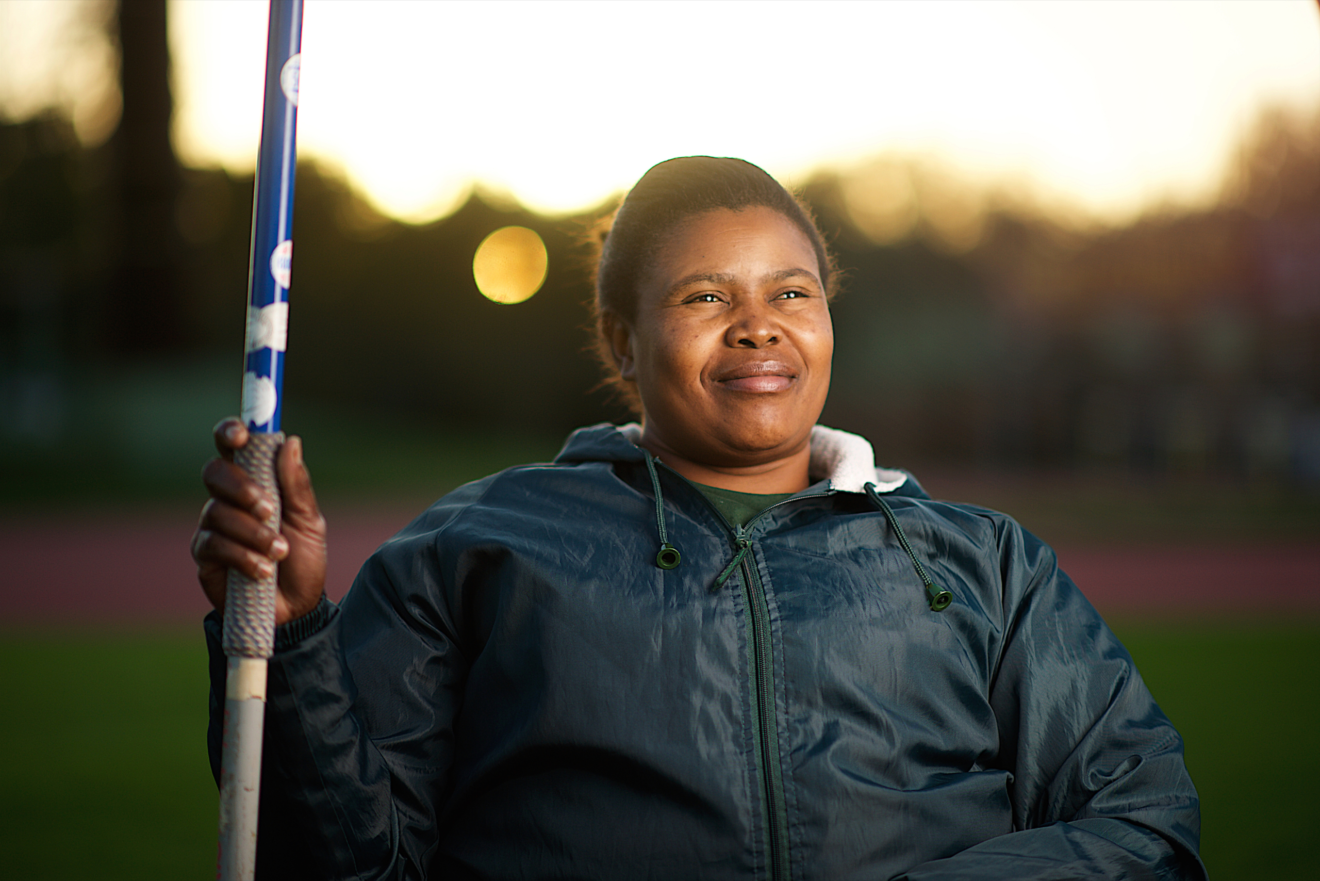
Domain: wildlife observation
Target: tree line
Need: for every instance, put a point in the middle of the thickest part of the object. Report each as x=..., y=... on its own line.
x=975, y=326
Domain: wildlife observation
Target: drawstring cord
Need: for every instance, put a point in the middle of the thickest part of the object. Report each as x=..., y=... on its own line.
x=939, y=598
x=668, y=557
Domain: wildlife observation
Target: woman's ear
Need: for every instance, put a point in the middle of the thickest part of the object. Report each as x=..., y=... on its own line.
x=620, y=337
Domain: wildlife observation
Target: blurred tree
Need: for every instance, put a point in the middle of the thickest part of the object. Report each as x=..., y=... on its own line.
x=975, y=326
x=144, y=306
x=39, y=213
x=1275, y=173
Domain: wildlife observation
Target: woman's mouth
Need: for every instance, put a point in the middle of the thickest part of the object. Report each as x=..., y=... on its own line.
x=759, y=383
x=758, y=377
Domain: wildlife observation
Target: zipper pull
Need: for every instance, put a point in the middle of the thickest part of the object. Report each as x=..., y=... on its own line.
x=744, y=545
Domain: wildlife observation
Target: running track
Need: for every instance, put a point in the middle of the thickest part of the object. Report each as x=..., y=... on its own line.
x=128, y=570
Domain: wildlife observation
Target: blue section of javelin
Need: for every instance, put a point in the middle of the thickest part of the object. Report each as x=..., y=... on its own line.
x=272, y=210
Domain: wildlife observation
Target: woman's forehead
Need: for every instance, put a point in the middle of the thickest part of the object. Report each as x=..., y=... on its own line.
x=723, y=245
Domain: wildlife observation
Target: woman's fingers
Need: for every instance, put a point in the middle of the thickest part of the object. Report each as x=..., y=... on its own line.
x=229, y=434
x=228, y=482
x=243, y=528
x=217, y=549
x=232, y=531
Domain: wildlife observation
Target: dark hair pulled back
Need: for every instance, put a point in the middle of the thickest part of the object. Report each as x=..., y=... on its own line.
x=668, y=194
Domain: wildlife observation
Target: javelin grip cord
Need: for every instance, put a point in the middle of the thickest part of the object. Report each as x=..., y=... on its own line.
x=249, y=630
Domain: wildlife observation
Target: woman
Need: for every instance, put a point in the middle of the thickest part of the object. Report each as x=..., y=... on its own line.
x=721, y=644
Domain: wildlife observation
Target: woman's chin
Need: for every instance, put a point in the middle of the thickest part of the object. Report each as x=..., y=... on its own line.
x=745, y=431
x=768, y=425
x=758, y=443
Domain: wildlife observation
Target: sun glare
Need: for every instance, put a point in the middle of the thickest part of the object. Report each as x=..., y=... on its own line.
x=510, y=265
x=1109, y=107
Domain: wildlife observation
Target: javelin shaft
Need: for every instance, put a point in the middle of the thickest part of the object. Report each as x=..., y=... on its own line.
x=249, y=617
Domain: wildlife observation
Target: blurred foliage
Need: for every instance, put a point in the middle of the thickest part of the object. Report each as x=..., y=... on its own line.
x=976, y=328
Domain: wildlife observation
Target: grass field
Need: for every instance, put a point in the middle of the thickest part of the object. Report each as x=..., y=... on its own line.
x=105, y=774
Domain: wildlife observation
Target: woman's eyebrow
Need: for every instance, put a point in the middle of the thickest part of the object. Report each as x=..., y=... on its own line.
x=725, y=278
x=786, y=274
x=702, y=278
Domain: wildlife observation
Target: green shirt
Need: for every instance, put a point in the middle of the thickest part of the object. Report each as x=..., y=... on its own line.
x=739, y=508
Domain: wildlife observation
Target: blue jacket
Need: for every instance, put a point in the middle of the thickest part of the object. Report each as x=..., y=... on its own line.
x=513, y=688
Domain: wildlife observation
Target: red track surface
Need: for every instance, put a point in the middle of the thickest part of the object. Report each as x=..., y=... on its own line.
x=134, y=569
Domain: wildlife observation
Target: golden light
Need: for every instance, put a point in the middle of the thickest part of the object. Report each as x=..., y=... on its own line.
x=510, y=264
x=1018, y=93
x=881, y=199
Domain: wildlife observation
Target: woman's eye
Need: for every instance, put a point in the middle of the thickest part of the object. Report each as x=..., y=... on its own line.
x=705, y=298
x=792, y=295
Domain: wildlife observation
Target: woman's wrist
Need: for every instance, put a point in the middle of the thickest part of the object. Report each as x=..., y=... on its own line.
x=292, y=632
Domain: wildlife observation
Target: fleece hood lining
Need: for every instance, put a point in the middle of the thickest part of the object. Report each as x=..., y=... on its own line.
x=846, y=460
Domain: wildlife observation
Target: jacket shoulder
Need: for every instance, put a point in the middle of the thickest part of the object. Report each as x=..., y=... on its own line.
x=520, y=491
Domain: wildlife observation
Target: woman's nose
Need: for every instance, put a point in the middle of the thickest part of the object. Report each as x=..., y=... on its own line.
x=753, y=326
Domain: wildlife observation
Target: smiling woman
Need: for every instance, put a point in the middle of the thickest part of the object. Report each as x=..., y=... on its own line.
x=719, y=644
x=719, y=330
x=730, y=350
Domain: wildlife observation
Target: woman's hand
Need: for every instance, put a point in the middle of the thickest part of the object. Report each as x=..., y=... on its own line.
x=232, y=532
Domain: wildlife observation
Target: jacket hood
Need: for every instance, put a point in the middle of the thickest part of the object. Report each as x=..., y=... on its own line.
x=846, y=461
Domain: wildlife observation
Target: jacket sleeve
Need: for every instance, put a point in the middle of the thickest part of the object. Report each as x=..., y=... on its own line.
x=1100, y=789
x=358, y=734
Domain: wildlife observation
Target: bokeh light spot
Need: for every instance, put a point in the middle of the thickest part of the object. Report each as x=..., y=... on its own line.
x=510, y=264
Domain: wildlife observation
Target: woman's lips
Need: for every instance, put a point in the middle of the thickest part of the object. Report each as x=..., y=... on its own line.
x=769, y=383
x=758, y=376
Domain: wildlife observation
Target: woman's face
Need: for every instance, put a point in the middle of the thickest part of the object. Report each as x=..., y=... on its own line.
x=732, y=341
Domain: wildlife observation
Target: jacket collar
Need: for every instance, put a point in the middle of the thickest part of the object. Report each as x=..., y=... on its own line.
x=846, y=460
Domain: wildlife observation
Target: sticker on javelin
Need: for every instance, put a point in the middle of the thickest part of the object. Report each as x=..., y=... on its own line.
x=281, y=263
x=258, y=398
x=268, y=327
x=289, y=78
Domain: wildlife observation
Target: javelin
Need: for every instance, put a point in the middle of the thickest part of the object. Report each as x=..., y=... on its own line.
x=249, y=617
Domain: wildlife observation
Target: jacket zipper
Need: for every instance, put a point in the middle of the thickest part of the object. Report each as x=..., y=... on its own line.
x=764, y=692
x=772, y=779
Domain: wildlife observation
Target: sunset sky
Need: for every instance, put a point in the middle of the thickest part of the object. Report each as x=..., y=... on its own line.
x=1108, y=106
